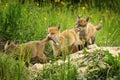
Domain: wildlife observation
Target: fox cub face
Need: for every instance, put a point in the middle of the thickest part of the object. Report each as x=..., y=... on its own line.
x=54, y=34
x=9, y=46
x=81, y=22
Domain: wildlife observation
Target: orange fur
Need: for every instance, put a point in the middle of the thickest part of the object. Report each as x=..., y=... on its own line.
x=87, y=30
x=64, y=42
x=32, y=48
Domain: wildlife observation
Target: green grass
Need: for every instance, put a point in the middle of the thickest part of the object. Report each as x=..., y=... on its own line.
x=27, y=22
x=10, y=69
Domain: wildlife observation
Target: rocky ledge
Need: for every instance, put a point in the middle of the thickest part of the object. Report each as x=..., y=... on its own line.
x=78, y=58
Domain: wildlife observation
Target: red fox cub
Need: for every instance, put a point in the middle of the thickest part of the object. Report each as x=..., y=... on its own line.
x=32, y=49
x=64, y=42
x=87, y=30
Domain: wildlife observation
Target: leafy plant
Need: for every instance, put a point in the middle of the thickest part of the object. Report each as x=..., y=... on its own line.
x=110, y=72
x=113, y=65
x=10, y=69
x=65, y=71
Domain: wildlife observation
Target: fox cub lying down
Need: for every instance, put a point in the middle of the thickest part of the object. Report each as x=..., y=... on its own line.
x=87, y=30
x=30, y=49
x=64, y=42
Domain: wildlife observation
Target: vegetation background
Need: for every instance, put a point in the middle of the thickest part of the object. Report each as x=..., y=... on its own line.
x=27, y=20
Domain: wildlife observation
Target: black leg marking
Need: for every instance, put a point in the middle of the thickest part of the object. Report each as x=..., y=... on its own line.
x=93, y=40
x=80, y=47
x=86, y=44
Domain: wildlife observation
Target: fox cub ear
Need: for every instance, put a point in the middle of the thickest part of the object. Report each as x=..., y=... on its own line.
x=16, y=42
x=87, y=19
x=78, y=18
x=59, y=27
x=8, y=42
x=48, y=26
x=6, y=45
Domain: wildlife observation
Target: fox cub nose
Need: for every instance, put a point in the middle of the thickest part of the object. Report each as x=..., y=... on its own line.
x=4, y=50
x=48, y=36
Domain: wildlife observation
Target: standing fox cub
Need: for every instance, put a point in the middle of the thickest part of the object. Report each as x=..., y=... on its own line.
x=30, y=49
x=64, y=42
x=87, y=30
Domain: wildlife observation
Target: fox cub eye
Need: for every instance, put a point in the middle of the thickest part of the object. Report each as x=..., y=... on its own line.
x=52, y=33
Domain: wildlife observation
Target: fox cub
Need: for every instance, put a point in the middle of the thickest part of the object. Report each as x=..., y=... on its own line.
x=87, y=30
x=32, y=49
x=64, y=42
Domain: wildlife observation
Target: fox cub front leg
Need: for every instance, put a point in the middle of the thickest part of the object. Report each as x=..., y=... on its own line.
x=80, y=45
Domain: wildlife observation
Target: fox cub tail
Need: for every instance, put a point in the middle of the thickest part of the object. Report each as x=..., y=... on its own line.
x=99, y=26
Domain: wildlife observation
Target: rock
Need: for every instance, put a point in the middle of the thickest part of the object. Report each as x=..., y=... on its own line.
x=37, y=67
x=92, y=46
x=113, y=50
